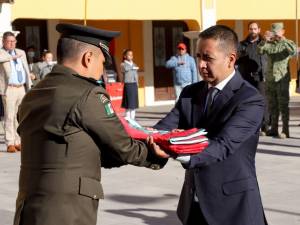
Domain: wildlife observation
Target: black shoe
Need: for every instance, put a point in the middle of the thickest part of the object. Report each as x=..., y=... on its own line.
x=272, y=133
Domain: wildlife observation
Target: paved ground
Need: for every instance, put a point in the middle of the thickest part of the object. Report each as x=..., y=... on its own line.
x=138, y=196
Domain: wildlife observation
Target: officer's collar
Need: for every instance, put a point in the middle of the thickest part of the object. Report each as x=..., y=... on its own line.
x=58, y=68
x=89, y=79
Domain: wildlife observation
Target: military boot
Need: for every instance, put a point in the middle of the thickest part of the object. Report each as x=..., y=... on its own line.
x=272, y=132
x=285, y=128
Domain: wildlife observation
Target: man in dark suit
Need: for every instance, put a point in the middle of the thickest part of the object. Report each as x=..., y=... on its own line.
x=220, y=186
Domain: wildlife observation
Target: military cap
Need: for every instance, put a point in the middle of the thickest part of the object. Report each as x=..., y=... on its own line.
x=89, y=35
x=275, y=27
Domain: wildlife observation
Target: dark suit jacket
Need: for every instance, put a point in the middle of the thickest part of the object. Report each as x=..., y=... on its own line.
x=223, y=176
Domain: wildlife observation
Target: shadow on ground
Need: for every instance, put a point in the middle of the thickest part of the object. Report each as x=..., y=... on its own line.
x=280, y=144
x=282, y=211
x=281, y=153
x=149, y=216
x=140, y=200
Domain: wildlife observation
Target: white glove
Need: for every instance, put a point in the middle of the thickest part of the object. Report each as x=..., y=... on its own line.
x=183, y=159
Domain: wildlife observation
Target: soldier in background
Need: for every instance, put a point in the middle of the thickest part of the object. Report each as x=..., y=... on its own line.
x=279, y=51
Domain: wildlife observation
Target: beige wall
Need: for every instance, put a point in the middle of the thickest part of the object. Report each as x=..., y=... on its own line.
x=256, y=9
x=53, y=36
x=108, y=10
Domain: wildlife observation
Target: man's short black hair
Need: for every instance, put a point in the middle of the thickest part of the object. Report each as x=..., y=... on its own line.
x=68, y=48
x=8, y=34
x=228, y=39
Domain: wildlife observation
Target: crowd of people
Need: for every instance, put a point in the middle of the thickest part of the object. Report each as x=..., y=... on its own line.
x=19, y=71
x=66, y=122
x=264, y=62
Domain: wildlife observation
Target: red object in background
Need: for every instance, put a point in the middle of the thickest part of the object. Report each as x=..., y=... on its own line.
x=115, y=90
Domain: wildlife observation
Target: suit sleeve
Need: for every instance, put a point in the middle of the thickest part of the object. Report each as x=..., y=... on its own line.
x=244, y=123
x=96, y=116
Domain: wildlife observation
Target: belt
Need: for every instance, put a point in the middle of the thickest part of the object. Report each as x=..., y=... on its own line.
x=16, y=85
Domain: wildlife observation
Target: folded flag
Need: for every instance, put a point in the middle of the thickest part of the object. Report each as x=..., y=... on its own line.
x=195, y=137
x=190, y=141
x=136, y=131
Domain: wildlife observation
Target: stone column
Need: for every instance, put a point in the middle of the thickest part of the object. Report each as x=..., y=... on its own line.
x=5, y=19
x=208, y=12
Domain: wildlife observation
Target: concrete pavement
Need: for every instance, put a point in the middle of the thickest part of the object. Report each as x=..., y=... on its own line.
x=139, y=196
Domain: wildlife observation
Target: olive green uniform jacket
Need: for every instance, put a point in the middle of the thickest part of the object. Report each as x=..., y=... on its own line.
x=279, y=53
x=68, y=131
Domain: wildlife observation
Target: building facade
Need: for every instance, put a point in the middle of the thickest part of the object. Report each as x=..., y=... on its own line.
x=150, y=28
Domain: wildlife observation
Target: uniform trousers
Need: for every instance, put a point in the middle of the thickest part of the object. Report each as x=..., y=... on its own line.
x=12, y=100
x=278, y=101
x=261, y=87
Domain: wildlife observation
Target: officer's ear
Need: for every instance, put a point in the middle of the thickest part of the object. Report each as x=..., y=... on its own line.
x=87, y=59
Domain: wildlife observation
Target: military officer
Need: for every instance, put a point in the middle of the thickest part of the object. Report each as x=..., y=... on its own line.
x=279, y=51
x=69, y=130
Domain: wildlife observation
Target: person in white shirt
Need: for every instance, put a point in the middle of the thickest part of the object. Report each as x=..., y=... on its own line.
x=15, y=79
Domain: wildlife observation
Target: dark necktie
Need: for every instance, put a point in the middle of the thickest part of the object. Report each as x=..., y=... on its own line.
x=19, y=72
x=212, y=92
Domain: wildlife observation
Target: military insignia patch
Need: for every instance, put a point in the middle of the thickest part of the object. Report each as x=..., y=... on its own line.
x=107, y=105
x=103, y=99
x=108, y=109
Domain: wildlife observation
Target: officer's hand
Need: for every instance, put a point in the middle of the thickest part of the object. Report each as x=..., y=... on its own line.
x=156, y=149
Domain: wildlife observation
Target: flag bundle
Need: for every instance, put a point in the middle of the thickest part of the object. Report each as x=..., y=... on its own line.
x=190, y=141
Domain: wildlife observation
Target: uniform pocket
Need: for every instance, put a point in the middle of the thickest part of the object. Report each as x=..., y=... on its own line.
x=238, y=186
x=90, y=187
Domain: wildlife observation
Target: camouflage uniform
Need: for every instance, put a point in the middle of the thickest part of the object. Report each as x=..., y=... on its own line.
x=279, y=53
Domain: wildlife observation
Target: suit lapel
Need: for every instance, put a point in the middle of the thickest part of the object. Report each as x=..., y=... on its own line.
x=224, y=96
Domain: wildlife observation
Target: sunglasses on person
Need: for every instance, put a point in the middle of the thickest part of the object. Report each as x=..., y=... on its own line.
x=181, y=49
